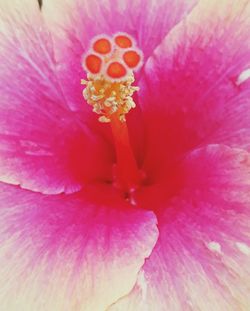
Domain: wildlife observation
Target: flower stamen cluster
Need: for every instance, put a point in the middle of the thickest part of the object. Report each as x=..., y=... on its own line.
x=109, y=64
x=110, y=98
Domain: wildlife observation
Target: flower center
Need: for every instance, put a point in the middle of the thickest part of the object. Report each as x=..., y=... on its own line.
x=110, y=63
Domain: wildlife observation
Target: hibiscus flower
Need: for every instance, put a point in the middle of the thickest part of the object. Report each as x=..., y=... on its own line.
x=149, y=208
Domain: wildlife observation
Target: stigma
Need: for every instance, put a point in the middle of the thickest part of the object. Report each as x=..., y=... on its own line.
x=110, y=64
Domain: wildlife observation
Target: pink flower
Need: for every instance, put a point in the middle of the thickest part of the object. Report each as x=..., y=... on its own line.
x=70, y=238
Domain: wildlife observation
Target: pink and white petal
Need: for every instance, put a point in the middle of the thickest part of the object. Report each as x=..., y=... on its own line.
x=43, y=145
x=191, y=92
x=202, y=258
x=74, y=23
x=70, y=252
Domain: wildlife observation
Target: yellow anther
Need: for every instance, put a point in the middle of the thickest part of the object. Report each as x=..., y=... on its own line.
x=109, y=97
x=103, y=119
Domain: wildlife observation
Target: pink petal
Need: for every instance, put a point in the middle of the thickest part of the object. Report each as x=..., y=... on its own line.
x=202, y=258
x=74, y=23
x=70, y=252
x=191, y=93
x=43, y=145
